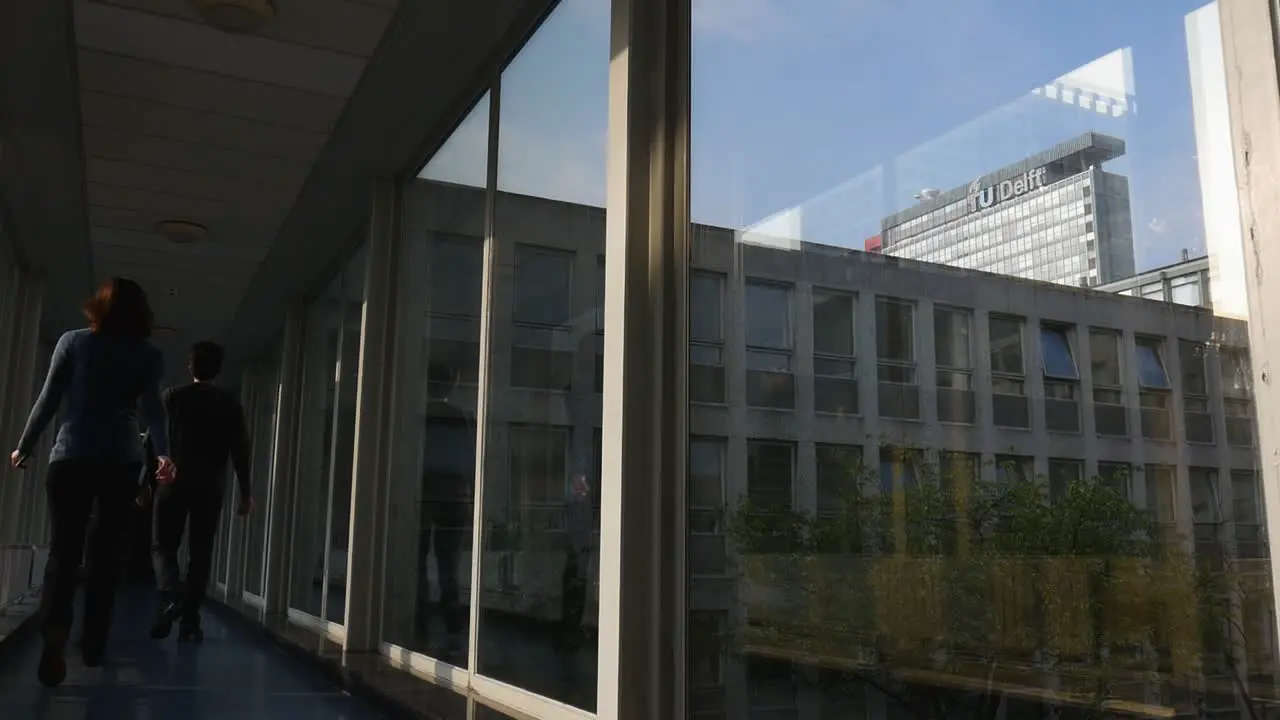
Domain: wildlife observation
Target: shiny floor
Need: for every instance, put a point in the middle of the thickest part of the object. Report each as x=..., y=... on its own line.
x=234, y=674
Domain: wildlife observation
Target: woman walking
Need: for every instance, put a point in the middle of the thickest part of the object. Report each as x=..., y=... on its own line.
x=96, y=377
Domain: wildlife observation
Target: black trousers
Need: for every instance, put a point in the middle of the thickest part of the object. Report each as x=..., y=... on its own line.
x=74, y=487
x=193, y=507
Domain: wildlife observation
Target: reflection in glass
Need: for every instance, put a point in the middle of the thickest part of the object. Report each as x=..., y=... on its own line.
x=344, y=431
x=315, y=450
x=539, y=522
x=266, y=398
x=1057, y=514
x=431, y=514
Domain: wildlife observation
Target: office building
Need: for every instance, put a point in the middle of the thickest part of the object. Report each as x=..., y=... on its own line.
x=1056, y=216
x=1183, y=283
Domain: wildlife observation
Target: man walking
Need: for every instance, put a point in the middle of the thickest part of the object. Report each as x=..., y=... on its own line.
x=206, y=428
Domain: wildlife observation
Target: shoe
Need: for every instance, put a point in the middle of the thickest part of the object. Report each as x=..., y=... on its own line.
x=191, y=634
x=53, y=660
x=93, y=652
x=165, y=620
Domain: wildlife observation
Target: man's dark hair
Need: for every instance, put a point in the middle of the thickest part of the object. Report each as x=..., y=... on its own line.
x=206, y=360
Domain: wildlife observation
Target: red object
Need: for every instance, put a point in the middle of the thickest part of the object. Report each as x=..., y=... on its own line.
x=872, y=244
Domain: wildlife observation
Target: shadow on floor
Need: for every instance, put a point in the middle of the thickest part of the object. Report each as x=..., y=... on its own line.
x=233, y=674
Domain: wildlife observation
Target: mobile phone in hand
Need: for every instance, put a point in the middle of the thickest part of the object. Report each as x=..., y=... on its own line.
x=22, y=461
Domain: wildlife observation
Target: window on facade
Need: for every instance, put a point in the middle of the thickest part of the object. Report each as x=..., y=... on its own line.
x=1237, y=395
x=539, y=456
x=707, y=551
x=542, y=340
x=706, y=335
x=1185, y=290
x=1013, y=469
x=1246, y=514
x=835, y=383
x=1115, y=475
x=1061, y=406
x=770, y=471
x=1062, y=473
x=1154, y=394
x=839, y=467
x=1161, y=497
x=708, y=638
x=953, y=346
x=453, y=316
x=1206, y=510
x=899, y=395
x=770, y=378
x=1110, y=415
x=1151, y=371
x=1059, y=363
x=1008, y=372
x=1195, y=392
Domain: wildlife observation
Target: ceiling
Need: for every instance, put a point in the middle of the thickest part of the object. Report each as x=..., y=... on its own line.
x=182, y=121
x=116, y=115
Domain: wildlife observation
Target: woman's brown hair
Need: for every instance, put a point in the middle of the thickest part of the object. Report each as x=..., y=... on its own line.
x=119, y=308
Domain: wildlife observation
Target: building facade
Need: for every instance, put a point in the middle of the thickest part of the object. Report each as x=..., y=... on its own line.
x=813, y=374
x=1056, y=216
x=1184, y=283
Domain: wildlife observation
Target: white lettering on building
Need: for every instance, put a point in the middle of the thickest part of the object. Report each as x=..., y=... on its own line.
x=981, y=198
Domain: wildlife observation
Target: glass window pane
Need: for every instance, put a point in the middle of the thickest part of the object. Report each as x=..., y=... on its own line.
x=1006, y=345
x=543, y=285
x=895, y=329
x=323, y=345
x=1191, y=358
x=1151, y=365
x=833, y=323
x=538, y=562
x=706, y=308
x=1012, y=198
x=951, y=338
x=344, y=437
x=768, y=315
x=1058, y=360
x=427, y=585
x=1104, y=358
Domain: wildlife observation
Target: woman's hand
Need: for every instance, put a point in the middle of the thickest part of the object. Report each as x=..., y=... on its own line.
x=17, y=459
x=166, y=471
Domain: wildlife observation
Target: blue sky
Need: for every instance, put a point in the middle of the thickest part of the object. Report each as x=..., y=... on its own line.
x=793, y=98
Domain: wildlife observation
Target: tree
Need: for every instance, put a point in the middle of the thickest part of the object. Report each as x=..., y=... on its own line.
x=920, y=575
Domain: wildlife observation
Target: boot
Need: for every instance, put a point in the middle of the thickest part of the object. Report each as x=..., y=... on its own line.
x=163, y=625
x=53, y=660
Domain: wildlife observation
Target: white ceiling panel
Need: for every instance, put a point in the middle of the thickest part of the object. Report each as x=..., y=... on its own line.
x=108, y=144
x=176, y=123
x=130, y=77
x=183, y=207
x=101, y=171
x=346, y=26
x=144, y=35
x=150, y=241
x=224, y=232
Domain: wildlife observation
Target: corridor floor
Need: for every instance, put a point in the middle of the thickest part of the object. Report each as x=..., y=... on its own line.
x=233, y=675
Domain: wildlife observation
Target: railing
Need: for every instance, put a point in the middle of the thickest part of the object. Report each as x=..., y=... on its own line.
x=21, y=571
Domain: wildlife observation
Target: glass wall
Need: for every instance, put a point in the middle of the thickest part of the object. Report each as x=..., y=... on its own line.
x=265, y=399
x=326, y=443
x=540, y=492
x=1062, y=522
x=431, y=514
x=518, y=409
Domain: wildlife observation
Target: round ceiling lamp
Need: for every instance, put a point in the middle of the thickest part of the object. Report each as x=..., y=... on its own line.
x=236, y=16
x=182, y=232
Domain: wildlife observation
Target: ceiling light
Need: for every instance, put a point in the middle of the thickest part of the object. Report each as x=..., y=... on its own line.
x=182, y=231
x=236, y=16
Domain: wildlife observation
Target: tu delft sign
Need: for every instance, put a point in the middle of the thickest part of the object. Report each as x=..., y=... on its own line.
x=981, y=198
